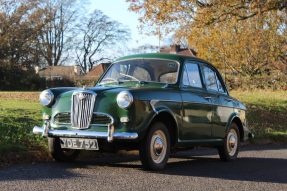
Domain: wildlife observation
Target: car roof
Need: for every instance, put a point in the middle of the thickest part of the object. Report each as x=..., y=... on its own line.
x=176, y=57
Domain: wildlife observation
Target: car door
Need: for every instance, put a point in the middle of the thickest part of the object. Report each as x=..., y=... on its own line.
x=221, y=112
x=196, y=107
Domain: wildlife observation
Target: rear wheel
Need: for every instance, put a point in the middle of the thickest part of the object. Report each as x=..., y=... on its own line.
x=155, y=148
x=59, y=154
x=230, y=149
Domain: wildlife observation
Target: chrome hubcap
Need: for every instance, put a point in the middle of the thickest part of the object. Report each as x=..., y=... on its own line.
x=158, y=146
x=232, y=142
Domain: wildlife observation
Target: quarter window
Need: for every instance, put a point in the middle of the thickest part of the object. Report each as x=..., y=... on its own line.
x=191, y=76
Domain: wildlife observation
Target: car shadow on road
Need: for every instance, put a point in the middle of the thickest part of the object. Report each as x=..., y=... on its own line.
x=244, y=169
x=206, y=163
x=196, y=163
x=271, y=170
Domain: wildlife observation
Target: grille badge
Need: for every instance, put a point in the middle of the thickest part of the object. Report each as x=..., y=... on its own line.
x=82, y=96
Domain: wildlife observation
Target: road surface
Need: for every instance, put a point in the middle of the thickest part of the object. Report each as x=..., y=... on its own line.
x=257, y=168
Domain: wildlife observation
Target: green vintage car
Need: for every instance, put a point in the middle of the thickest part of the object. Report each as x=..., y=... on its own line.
x=156, y=103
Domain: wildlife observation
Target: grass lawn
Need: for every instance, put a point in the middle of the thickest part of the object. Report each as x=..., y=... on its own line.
x=20, y=111
x=266, y=114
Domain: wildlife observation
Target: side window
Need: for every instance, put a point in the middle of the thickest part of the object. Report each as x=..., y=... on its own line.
x=185, y=80
x=210, y=78
x=191, y=76
x=219, y=85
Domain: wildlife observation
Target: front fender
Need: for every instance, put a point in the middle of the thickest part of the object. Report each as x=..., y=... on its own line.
x=232, y=117
x=240, y=119
x=162, y=110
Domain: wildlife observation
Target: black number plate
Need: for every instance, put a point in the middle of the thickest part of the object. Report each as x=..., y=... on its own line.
x=76, y=143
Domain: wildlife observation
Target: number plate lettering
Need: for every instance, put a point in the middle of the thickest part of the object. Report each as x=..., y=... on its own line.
x=75, y=143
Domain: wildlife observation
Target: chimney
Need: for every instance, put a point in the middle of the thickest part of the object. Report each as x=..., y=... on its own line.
x=177, y=48
x=77, y=70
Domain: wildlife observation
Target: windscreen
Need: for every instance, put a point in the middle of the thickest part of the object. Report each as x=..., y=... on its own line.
x=142, y=70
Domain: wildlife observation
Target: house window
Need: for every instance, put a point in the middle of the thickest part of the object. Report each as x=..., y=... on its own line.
x=56, y=78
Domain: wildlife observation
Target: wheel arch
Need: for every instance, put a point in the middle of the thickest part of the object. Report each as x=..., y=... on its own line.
x=167, y=117
x=235, y=119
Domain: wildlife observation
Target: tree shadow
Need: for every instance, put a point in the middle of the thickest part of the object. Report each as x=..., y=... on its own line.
x=38, y=172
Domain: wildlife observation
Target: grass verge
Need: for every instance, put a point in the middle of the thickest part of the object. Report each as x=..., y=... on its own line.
x=266, y=114
x=19, y=113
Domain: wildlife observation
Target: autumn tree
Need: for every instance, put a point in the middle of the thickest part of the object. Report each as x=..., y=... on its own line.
x=99, y=36
x=20, y=25
x=247, y=38
x=177, y=12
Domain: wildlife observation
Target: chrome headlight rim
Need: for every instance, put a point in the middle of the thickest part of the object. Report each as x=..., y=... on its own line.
x=43, y=99
x=120, y=98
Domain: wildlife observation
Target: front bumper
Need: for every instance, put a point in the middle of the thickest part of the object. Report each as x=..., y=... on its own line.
x=84, y=134
x=45, y=131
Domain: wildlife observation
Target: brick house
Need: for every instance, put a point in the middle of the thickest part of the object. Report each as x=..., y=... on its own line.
x=59, y=72
x=97, y=71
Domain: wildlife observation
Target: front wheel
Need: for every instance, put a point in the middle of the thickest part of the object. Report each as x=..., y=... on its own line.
x=155, y=148
x=59, y=154
x=230, y=149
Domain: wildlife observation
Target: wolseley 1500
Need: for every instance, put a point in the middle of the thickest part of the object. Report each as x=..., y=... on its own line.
x=155, y=103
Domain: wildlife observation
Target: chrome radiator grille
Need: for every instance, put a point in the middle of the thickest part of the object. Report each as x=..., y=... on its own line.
x=82, y=109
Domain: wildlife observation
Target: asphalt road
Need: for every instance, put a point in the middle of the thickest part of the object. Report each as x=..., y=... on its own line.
x=258, y=168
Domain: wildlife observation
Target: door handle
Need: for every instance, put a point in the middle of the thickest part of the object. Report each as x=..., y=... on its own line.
x=207, y=97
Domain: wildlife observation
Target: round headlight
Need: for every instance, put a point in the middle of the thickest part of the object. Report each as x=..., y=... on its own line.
x=124, y=99
x=46, y=97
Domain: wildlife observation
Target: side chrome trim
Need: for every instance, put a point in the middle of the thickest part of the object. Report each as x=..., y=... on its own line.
x=199, y=140
x=85, y=134
x=153, y=102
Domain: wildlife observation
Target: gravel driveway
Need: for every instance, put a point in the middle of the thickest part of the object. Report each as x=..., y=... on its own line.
x=258, y=168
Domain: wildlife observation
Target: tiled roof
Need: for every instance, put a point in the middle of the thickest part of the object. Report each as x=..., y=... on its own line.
x=61, y=71
x=97, y=70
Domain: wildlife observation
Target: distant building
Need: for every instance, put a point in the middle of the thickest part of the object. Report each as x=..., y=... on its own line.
x=97, y=71
x=59, y=72
x=176, y=49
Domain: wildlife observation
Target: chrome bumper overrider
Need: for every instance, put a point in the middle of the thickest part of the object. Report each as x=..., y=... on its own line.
x=45, y=131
